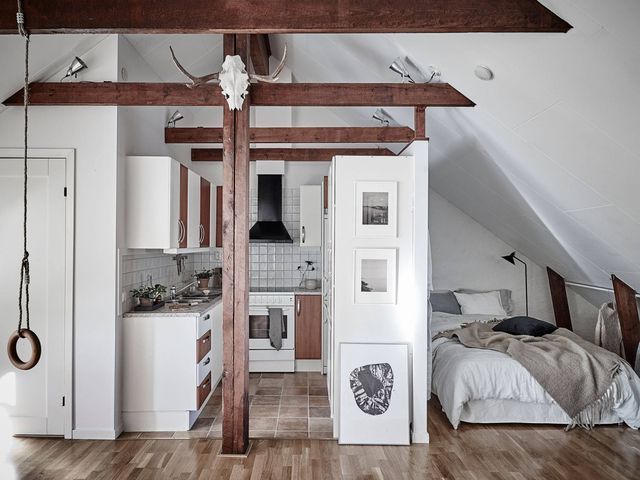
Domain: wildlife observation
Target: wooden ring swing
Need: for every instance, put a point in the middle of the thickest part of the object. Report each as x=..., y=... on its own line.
x=12, y=349
x=12, y=344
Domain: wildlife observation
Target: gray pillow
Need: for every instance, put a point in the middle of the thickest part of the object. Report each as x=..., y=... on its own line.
x=505, y=297
x=444, y=301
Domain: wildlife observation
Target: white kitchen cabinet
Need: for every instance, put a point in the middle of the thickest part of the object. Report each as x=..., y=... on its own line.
x=194, y=232
x=311, y=215
x=172, y=363
x=153, y=202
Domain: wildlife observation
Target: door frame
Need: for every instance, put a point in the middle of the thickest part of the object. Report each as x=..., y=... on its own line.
x=69, y=156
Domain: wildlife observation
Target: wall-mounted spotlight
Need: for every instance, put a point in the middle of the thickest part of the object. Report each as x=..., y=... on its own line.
x=176, y=117
x=383, y=117
x=410, y=72
x=76, y=66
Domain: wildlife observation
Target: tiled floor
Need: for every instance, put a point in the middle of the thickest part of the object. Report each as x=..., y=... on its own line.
x=282, y=405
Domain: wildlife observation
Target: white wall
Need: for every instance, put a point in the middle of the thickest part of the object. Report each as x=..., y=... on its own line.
x=467, y=255
x=91, y=131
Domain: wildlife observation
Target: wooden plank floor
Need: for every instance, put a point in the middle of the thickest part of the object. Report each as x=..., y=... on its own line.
x=473, y=452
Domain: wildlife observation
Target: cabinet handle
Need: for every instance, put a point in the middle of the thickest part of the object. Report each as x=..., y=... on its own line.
x=201, y=234
x=298, y=307
x=205, y=339
x=206, y=317
x=304, y=234
x=180, y=230
x=207, y=361
x=205, y=385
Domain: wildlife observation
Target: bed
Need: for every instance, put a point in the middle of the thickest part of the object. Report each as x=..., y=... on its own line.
x=485, y=386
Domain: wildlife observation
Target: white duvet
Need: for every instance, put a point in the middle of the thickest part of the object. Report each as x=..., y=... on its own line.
x=462, y=376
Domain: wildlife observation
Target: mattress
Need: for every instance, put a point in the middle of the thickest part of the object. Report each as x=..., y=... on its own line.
x=484, y=386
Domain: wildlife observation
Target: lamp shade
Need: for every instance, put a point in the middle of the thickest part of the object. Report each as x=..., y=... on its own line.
x=510, y=258
x=177, y=116
x=76, y=66
x=400, y=68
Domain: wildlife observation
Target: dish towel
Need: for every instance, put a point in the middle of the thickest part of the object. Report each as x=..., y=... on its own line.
x=276, y=327
x=608, y=334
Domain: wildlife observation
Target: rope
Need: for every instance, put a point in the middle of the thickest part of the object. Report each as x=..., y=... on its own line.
x=24, y=266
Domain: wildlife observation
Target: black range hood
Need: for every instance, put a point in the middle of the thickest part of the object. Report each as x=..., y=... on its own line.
x=269, y=227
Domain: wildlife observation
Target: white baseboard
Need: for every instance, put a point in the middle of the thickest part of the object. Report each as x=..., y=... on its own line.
x=420, y=438
x=308, y=365
x=86, y=434
x=158, y=421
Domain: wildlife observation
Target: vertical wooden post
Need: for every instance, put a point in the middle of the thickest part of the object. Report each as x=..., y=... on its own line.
x=559, y=299
x=627, y=307
x=235, y=276
x=420, y=122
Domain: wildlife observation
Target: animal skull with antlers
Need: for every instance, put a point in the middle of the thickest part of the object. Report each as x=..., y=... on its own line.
x=233, y=78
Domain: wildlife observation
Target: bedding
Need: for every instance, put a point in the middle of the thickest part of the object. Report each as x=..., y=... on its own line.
x=464, y=379
x=488, y=303
x=444, y=301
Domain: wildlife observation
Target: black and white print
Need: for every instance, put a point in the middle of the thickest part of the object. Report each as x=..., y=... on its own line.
x=375, y=208
x=374, y=275
x=372, y=386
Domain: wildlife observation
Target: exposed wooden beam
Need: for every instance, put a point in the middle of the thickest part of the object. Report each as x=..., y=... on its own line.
x=559, y=299
x=627, y=306
x=285, y=94
x=235, y=272
x=282, y=16
x=260, y=53
x=289, y=154
x=420, y=122
x=296, y=135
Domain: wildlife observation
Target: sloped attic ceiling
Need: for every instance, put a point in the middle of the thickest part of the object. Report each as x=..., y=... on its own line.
x=549, y=158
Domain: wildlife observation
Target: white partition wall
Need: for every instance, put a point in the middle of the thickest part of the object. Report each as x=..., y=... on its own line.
x=404, y=318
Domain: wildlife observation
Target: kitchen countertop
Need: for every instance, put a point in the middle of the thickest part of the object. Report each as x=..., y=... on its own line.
x=167, y=311
x=304, y=291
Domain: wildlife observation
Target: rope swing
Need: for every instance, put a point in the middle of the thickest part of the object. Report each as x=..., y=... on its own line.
x=12, y=345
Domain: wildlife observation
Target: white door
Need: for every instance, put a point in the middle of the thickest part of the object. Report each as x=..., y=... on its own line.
x=33, y=398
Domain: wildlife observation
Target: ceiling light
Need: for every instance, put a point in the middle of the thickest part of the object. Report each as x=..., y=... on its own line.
x=383, y=117
x=411, y=72
x=76, y=66
x=176, y=117
x=483, y=73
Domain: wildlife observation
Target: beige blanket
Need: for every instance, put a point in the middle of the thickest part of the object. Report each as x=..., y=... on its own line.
x=577, y=374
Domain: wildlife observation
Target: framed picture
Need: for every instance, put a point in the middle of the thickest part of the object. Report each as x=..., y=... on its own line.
x=376, y=209
x=375, y=275
x=374, y=394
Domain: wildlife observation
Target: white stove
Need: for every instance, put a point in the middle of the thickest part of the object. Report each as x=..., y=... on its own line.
x=263, y=357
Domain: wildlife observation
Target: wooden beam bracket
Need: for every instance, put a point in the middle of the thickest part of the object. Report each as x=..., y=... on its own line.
x=559, y=299
x=627, y=307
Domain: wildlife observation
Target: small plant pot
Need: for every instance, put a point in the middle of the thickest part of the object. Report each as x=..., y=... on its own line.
x=203, y=282
x=146, y=302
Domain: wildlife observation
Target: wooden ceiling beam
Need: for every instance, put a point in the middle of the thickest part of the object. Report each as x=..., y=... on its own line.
x=276, y=94
x=289, y=154
x=260, y=53
x=282, y=16
x=296, y=135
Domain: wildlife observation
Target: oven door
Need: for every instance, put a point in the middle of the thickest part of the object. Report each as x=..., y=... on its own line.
x=259, y=328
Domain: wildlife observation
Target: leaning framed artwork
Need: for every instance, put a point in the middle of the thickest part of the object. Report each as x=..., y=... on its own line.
x=375, y=275
x=374, y=393
x=376, y=209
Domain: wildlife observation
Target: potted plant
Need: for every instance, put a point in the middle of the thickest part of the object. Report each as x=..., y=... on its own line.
x=147, y=295
x=203, y=278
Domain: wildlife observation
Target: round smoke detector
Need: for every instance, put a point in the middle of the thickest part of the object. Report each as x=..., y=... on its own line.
x=483, y=73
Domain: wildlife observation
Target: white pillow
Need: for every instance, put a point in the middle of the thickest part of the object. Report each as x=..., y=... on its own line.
x=488, y=303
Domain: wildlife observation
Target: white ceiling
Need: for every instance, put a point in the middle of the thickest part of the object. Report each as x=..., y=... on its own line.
x=549, y=160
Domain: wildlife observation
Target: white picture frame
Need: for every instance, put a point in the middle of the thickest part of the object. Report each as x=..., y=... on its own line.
x=376, y=209
x=375, y=275
x=381, y=418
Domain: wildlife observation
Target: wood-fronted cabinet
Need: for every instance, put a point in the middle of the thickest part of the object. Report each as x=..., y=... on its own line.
x=168, y=206
x=311, y=215
x=308, y=309
x=205, y=213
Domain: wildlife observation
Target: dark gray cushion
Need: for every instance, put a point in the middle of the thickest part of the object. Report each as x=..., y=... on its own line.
x=444, y=301
x=525, y=326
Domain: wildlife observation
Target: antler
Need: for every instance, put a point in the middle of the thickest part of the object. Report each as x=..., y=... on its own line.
x=274, y=76
x=195, y=80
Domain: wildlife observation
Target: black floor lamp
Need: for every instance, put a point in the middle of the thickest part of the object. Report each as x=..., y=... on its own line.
x=511, y=258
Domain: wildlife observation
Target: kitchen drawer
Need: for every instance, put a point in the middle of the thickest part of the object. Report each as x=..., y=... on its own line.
x=204, y=367
x=204, y=390
x=203, y=346
x=204, y=322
